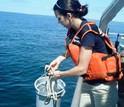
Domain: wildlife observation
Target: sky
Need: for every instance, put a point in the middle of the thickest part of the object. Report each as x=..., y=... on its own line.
x=44, y=7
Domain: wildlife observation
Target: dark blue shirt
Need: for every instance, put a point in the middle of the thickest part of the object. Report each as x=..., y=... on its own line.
x=90, y=39
x=94, y=41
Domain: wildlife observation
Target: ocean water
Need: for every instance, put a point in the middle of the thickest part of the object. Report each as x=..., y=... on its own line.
x=27, y=44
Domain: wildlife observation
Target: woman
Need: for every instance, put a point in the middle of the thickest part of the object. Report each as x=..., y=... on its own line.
x=96, y=93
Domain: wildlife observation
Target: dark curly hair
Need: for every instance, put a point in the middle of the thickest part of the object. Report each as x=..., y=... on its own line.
x=72, y=6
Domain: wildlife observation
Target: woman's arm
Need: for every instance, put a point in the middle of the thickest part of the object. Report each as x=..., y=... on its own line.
x=81, y=68
x=55, y=63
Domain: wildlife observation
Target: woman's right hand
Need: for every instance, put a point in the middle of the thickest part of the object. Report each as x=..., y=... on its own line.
x=55, y=64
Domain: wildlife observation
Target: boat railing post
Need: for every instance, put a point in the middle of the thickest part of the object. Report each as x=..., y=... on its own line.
x=77, y=93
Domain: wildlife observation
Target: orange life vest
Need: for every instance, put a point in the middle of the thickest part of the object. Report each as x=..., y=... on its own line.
x=102, y=66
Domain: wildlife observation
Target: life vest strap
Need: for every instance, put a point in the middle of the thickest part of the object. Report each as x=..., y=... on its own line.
x=114, y=74
x=109, y=55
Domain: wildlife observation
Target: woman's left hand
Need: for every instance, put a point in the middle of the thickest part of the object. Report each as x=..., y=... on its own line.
x=57, y=74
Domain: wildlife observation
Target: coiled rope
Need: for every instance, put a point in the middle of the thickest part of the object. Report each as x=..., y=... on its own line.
x=50, y=88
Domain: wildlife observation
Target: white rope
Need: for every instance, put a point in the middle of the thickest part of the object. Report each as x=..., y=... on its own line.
x=48, y=90
x=50, y=87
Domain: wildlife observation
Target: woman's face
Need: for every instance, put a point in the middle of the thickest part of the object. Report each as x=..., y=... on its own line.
x=63, y=20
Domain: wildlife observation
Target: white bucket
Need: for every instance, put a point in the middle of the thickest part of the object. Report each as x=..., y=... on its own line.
x=40, y=86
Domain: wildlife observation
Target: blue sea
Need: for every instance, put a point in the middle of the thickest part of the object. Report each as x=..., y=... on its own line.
x=27, y=44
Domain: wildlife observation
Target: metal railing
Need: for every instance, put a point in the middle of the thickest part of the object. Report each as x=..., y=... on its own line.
x=77, y=93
